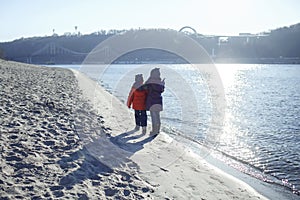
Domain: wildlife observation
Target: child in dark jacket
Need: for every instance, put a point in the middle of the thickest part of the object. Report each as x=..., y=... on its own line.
x=137, y=98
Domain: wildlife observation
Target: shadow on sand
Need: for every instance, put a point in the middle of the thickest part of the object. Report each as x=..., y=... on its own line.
x=123, y=141
x=101, y=157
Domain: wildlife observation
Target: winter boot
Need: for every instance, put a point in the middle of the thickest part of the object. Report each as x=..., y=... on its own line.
x=137, y=128
x=144, y=129
x=158, y=128
x=155, y=129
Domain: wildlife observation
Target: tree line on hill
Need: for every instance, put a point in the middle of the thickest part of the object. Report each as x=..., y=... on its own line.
x=281, y=45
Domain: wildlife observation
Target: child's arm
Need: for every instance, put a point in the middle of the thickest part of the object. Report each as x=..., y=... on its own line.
x=130, y=97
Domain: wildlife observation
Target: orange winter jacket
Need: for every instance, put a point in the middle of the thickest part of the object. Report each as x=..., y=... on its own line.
x=137, y=97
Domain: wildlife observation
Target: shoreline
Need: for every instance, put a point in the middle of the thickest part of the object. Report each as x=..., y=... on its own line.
x=83, y=145
x=219, y=60
x=188, y=176
x=268, y=190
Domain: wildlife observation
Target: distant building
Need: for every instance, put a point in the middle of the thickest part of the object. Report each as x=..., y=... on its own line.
x=246, y=34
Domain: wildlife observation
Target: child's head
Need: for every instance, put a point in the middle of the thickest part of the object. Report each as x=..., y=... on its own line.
x=139, y=78
x=155, y=73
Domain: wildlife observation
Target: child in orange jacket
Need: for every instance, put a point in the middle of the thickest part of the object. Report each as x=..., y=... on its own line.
x=137, y=98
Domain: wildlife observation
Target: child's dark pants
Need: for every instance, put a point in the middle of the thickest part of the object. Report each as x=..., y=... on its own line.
x=140, y=117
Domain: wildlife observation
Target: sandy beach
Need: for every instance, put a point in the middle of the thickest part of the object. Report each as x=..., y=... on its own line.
x=42, y=154
x=65, y=137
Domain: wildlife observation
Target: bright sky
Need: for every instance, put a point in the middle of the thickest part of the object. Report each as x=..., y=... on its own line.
x=28, y=18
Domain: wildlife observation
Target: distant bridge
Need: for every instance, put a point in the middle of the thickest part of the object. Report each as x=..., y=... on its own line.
x=188, y=27
x=54, y=49
x=222, y=36
x=51, y=52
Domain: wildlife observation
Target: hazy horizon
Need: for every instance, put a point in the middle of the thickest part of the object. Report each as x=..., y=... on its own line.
x=43, y=18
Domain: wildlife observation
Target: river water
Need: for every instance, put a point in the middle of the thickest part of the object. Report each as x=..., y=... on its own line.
x=261, y=124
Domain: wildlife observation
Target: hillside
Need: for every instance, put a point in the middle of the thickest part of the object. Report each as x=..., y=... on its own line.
x=281, y=45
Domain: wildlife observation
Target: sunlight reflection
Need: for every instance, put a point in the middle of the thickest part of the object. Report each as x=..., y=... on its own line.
x=233, y=134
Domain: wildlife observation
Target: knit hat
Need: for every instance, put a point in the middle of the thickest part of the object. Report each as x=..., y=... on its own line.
x=155, y=73
x=139, y=78
x=138, y=81
x=155, y=77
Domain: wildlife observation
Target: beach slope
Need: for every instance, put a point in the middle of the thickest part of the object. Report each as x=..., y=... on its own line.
x=65, y=137
x=47, y=130
x=171, y=169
